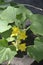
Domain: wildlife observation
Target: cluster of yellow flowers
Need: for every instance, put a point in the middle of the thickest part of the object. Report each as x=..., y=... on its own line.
x=21, y=34
x=17, y=32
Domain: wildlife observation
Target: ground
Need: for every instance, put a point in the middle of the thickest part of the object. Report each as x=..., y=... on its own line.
x=21, y=61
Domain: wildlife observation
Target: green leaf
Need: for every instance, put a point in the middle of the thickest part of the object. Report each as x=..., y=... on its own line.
x=12, y=47
x=3, y=43
x=9, y=14
x=6, y=34
x=1, y=1
x=1, y=11
x=6, y=54
x=36, y=50
x=10, y=39
x=4, y=26
x=4, y=6
x=37, y=24
x=17, y=15
x=5, y=1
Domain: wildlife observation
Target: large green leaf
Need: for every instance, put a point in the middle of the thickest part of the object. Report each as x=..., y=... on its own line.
x=36, y=50
x=17, y=15
x=6, y=52
x=4, y=26
x=37, y=24
x=9, y=14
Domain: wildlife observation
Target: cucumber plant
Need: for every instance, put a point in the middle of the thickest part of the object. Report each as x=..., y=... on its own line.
x=12, y=21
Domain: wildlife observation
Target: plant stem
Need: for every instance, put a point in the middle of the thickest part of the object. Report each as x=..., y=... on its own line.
x=8, y=62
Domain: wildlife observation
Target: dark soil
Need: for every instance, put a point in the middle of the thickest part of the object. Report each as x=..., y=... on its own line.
x=36, y=63
x=38, y=3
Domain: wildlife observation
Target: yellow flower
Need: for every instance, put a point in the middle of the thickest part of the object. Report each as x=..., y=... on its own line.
x=15, y=31
x=23, y=35
x=22, y=47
